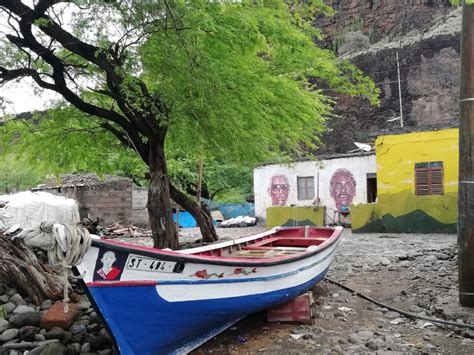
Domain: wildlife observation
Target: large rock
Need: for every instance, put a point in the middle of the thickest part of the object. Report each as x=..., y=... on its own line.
x=56, y=333
x=28, y=333
x=9, y=307
x=23, y=309
x=78, y=328
x=4, y=299
x=17, y=299
x=97, y=342
x=46, y=305
x=4, y=325
x=54, y=349
x=9, y=334
x=23, y=319
x=56, y=317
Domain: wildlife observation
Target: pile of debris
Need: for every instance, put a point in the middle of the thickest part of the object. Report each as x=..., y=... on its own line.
x=241, y=221
x=119, y=230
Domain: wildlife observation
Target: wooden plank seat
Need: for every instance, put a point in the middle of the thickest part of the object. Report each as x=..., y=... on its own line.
x=255, y=254
x=268, y=252
x=283, y=242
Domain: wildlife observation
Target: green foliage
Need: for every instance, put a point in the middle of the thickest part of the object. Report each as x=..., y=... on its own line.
x=226, y=181
x=457, y=2
x=237, y=81
x=16, y=174
x=67, y=140
x=233, y=77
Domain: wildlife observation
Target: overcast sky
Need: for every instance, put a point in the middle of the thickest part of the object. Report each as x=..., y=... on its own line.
x=23, y=98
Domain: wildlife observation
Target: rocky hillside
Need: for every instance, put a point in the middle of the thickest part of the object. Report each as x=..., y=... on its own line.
x=426, y=35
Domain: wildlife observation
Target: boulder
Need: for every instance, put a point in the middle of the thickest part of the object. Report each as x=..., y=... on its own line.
x=23, y=319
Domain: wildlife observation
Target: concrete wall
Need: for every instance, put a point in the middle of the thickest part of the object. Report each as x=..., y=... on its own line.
x=110, y=201
x=139, y=212
x=295, y=216
x=323, y=171
x=398, y=208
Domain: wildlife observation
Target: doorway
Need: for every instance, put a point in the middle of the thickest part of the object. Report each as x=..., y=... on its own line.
x=371, y=187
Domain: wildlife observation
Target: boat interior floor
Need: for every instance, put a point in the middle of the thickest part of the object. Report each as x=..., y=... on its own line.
x=278, y=246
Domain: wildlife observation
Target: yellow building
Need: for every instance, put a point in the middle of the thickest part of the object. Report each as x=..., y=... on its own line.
x=417, y=184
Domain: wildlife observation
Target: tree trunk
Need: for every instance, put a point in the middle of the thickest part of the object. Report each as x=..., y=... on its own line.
x=159, y=200
x=201, y=214
x=20, y=268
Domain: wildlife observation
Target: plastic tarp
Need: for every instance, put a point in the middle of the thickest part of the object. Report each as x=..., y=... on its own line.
x=185, y=220
x=25, y=209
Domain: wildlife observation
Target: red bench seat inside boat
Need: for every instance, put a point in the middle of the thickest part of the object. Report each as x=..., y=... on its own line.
x=270, y=243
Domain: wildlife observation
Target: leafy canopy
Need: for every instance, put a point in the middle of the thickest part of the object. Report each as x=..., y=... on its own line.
x=232, y=75
x=237, y=82
x=457, y=2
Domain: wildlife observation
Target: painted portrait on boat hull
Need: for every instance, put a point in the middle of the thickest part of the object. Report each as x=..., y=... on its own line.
x=279, y=190
x=109, y=266
x=342, y=188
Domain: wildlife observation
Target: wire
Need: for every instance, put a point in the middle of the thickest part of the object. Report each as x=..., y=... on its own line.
x=406, y=314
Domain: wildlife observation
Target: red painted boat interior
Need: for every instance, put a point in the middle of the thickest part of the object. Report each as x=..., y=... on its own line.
x=269, y=243
x=297, y=237
x=285, y=241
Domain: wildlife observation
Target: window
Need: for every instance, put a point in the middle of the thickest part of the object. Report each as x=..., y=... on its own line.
x=305, y=188
x=429, y=178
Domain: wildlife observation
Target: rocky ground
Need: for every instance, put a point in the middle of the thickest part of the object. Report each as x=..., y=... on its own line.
x=415, y=273
x=21, y=333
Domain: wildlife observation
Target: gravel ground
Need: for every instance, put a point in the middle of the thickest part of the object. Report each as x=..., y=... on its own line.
x=414, y=273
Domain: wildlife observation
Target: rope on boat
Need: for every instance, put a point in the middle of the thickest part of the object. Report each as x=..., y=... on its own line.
x=406, y=314
x=65, y=245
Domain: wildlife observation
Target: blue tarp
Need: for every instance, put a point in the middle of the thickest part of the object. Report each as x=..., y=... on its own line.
x=233, y=210
x=185, y=220
x=228, y=210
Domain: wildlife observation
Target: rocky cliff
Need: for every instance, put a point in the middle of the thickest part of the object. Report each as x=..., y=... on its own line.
x=426, y=35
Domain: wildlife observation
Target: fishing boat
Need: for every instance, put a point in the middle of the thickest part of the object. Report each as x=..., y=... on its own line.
x=158, y=301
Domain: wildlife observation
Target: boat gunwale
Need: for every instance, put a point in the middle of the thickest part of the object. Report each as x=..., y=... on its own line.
x=168, y=255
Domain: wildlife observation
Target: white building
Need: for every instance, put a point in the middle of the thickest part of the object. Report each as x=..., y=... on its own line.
x=334, y=181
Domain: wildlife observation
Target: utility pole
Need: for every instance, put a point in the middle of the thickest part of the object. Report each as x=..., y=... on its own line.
x=399, y=118
x=466, y=162
x=199, y=182
x=400, y=92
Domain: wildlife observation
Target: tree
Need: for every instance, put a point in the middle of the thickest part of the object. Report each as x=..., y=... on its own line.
x=204, y=76
x=64, y=140
x=16, y=174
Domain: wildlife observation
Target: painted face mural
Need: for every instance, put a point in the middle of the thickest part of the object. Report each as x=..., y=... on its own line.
x=108, y=271
x=279, y=190
x=342, y=188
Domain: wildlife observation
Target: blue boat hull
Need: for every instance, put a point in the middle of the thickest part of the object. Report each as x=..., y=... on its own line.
x=163, y=302
x=184, y=325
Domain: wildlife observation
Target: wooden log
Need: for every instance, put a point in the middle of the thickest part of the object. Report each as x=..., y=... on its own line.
x=20, y=268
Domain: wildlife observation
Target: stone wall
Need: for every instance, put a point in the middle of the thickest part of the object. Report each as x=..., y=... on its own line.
x=110, y=201
x=139, y=212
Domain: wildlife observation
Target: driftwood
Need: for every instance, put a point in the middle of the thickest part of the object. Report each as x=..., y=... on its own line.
x=90, y=225
x=125, y=230
x=20, y=268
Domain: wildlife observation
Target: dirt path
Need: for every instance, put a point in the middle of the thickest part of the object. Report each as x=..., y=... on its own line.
x=415, y=273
